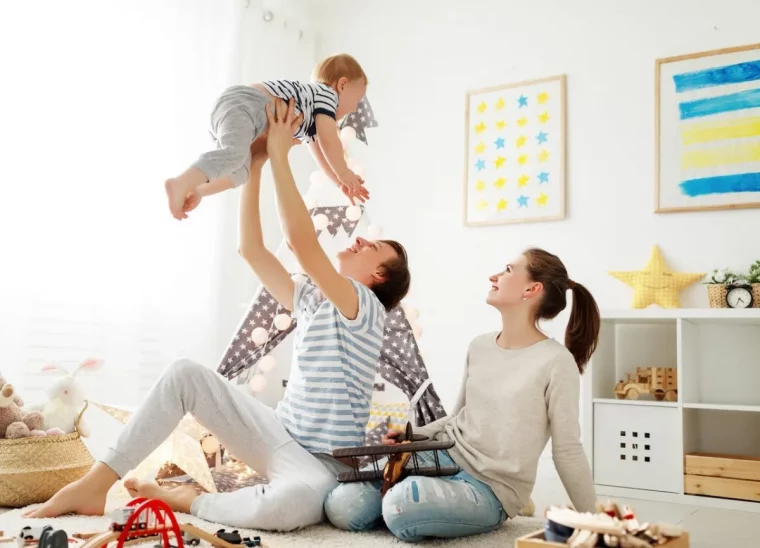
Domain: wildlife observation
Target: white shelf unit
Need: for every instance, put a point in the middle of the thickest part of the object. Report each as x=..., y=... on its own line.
x=636, y=447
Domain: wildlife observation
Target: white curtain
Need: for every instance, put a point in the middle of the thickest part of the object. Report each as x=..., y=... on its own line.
x=100, y=101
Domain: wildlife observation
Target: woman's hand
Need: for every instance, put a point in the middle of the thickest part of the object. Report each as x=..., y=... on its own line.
x=283, y=123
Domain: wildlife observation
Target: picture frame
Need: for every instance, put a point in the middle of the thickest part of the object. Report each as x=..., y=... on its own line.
x=515, y=153
x=707, y=130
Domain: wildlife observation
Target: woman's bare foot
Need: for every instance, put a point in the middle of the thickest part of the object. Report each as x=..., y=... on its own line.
x=179, y=498
x=86, y=496
x=178, y=189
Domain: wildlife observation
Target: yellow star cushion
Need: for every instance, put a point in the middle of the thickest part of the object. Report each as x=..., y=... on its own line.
x=656, y=283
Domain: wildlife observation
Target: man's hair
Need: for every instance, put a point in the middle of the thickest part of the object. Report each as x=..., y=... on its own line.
x=396, y=278
x=333, y=68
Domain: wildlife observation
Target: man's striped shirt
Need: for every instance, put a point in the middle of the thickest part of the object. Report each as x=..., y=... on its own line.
x=310, y=99
x=327, y=401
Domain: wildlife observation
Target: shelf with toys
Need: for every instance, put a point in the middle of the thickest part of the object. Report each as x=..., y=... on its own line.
x=666, y=388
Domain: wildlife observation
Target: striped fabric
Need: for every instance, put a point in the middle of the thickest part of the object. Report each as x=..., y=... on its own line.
x=311, y=99
x=327, y=401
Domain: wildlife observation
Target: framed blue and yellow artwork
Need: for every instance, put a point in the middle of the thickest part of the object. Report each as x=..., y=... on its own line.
x=708, y=130
x=515, y=153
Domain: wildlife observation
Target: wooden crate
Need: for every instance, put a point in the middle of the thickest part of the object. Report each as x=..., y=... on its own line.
x=536, y=540
x=719, y=475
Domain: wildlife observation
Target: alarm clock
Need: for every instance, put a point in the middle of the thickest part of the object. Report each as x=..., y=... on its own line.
x=739, y=296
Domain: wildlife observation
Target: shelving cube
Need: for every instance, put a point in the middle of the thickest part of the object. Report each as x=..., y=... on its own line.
x=637, y=447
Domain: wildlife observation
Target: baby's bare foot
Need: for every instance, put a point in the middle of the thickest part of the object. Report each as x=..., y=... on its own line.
x=176, y=197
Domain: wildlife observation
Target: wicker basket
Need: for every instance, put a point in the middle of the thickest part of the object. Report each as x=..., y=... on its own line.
x=33, y=469
x=716, y=293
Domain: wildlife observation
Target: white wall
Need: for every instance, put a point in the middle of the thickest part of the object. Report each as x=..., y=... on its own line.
x=422, y=56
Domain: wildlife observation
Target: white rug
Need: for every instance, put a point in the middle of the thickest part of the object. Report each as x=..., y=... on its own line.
x=320, y=535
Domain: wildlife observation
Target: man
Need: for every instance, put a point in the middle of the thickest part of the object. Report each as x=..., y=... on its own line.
x=326, y=403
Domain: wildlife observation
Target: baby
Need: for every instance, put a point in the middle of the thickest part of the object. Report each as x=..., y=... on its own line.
x=239, y=118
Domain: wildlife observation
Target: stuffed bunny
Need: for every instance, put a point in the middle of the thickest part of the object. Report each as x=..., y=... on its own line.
x=66, y=398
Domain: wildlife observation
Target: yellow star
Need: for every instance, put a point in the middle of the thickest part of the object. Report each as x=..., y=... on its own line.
x=521, y=140
x=656, y=283
x=522, y=121
x=543, y=118
x=501, y=205
x=480, y=128
x=523, y=158
x=499, y=161
x=481, y=205
x=480, y=148
x=523, y=180
x=500, y=104
x=482, y=107
x=542, y=98
x=480, y=186
x=543, y=156
x=500, y=124
x=542, y=199
x=500, y=182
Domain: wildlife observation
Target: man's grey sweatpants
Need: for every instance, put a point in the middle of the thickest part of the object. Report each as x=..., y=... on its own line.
x=299, y=481
x=237, y=119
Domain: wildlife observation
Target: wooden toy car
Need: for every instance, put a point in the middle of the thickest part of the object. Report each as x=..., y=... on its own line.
x=660, y=382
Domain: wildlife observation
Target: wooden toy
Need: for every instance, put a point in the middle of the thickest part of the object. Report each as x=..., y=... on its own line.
x=146, y=519
x=610, y=526
x=398, y=456
x=660, y=382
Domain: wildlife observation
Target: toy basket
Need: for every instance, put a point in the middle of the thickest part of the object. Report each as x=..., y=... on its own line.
x=33, y=469
x=716, y=294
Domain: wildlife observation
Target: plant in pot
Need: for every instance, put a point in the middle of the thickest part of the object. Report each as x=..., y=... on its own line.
x=719, y=283
x=753, y=278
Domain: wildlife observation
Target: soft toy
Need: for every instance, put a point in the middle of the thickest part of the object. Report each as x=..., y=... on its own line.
x=66, y=398
x=15, y=422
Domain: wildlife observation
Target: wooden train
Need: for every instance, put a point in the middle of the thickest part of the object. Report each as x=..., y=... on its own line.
x=141, y=520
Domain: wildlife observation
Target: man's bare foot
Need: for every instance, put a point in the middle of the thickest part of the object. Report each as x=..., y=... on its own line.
x=80, y=497
x=179, y=498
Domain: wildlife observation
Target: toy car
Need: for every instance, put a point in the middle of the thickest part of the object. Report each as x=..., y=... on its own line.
x=44, y=537
x=231, y=537
x=53, y=538
x=190, y=539
x=251, y=542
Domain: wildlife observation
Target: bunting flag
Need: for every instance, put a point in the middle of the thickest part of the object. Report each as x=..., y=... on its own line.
x=363, y=117
x=336, y=218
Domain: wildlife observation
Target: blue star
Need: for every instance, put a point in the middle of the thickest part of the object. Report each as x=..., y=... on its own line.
x=499, y=143
x=523, y=100
x=542, y=137
x=543, y=177
x=522, y=201
x=480, y=164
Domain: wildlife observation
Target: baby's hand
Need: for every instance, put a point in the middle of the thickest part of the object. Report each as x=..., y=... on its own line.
x=361, y=194
x=351, y=186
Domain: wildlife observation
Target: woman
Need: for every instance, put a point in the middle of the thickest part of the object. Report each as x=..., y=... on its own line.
x=520, y=388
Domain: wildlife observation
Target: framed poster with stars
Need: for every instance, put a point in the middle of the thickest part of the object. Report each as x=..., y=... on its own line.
x=515, y=153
